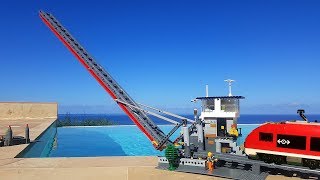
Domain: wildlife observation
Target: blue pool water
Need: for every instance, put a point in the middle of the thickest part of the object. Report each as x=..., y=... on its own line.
x=101, y=141
x=124, y=140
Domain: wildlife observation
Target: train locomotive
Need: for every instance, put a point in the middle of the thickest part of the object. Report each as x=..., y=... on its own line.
x=286, y=142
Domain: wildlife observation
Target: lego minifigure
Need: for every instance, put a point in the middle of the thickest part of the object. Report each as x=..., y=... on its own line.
x=233, y=132
x=210, y=161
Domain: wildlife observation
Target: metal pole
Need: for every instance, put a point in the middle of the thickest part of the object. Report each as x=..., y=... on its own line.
x=199, y=130
x=27, y=134
x=167, y=113
x=148, y=112
x=207, y=91
x=186, y=139
x=9, y=137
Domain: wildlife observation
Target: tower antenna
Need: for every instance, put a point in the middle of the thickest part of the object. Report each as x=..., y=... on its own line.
x=207, y=91
x=229, y=81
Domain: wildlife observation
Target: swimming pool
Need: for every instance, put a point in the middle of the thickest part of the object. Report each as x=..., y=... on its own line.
x=100, y=141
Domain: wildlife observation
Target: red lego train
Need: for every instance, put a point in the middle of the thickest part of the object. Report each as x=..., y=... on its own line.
x=286, y=142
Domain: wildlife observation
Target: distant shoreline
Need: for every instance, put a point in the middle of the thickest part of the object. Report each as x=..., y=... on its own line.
x=123, y=120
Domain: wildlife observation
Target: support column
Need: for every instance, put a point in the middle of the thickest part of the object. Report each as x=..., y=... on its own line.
x=186, y=138
x=199, y=131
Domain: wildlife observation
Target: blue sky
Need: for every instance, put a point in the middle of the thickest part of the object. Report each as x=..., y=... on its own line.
x=163, y=53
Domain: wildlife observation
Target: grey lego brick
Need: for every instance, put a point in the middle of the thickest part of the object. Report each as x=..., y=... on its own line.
x=223, y=172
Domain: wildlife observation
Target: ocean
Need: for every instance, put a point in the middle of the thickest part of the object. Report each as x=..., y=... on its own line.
x=120, y=119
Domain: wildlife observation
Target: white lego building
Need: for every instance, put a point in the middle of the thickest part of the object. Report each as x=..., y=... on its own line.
x=219, y=113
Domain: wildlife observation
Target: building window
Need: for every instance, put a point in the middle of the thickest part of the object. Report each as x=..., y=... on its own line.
x=266, y=137
x=315, y=144
x=208, y=105
x=291, y=142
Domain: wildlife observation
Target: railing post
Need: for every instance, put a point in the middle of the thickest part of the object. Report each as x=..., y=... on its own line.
x=27, y=134
x=9, y=137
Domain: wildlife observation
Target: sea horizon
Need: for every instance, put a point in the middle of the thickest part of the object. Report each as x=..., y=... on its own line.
x=122, y=119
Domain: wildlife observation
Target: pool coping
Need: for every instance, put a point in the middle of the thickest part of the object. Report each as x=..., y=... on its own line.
x=42, y=124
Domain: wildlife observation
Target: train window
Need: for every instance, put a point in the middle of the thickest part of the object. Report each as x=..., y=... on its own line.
x=291, y=141
x=315, y=144
x=266, y=137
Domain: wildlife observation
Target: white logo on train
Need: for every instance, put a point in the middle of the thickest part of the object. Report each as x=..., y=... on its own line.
x=283, y=141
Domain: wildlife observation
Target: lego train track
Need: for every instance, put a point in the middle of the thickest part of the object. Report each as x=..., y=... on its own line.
x=258, y=167
x=240, y=167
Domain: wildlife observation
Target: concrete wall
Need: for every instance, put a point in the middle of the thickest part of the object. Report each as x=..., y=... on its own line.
x=27, y=110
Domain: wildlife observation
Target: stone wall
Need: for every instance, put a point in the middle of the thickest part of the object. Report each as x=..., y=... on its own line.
x=27, y=110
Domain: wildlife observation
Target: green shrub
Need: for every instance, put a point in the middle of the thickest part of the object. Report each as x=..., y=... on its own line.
x=68, y=120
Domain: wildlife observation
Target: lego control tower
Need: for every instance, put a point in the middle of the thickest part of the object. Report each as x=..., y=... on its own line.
x=219, y=115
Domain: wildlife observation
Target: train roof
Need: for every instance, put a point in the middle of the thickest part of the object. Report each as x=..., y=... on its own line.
x=298, y=122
